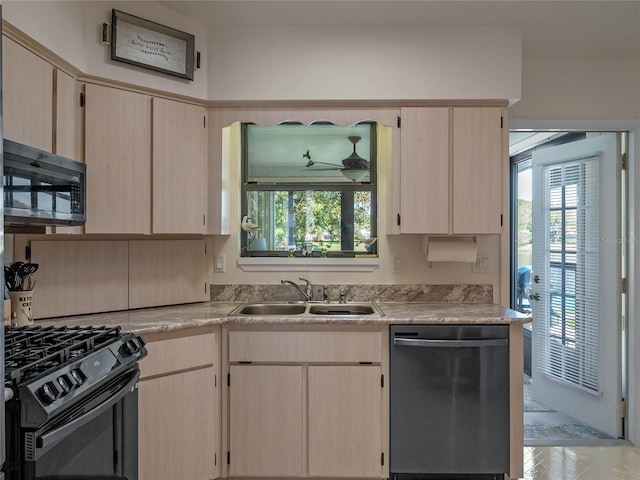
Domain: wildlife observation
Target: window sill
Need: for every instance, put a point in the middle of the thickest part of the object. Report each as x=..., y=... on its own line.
x=274, y=264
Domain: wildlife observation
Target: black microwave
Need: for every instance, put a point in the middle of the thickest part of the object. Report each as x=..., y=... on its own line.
x=41, y=188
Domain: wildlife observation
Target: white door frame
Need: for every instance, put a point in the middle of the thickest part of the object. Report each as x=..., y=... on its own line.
x=633, y=127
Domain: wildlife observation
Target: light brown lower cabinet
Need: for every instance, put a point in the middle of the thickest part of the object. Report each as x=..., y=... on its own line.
x=299, y=407
x=344, y=421
x=266, y=419
x=178, y=423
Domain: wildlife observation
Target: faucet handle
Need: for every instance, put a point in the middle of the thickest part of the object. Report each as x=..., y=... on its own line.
x=308, y=289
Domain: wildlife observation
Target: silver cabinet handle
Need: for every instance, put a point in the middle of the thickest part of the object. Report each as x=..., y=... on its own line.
x=419, y=342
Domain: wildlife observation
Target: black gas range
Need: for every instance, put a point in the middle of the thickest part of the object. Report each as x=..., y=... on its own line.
x=71, y=402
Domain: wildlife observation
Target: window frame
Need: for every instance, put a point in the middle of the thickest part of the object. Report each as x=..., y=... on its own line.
x=371, y=186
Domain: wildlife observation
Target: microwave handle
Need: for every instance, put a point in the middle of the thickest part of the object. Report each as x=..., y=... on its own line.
x=49, y=439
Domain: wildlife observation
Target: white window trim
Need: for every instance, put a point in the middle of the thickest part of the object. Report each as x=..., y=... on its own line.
x=281, y=264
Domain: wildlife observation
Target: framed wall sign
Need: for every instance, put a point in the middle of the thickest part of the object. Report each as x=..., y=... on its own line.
x=146, y=44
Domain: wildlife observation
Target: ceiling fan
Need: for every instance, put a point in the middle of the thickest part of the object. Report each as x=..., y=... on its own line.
x=354, y=167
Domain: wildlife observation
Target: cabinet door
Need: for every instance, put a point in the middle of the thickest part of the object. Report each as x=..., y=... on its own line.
x=27, y=83
x=179, y=167
x=176, y=432
x=166, y=272
x=66, y=116
x=477, y=167
x=345, y=421
x=79, y=277
x=118, y=158
x=67, y=125
x=266, y=421
x=424, y=170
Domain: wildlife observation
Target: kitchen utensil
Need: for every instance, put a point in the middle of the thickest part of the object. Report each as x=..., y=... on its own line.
x=27, y=269
x=29, y=282
x=19, y=276
x=9, y=277
x=12, y=279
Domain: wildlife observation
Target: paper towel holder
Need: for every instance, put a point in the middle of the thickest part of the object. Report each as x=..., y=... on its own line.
x=449, y=238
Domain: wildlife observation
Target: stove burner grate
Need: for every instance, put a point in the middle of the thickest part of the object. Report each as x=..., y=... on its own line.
x=33, y=351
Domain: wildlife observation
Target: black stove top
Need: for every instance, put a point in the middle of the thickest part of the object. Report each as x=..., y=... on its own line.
x=34, y=351
x=52, y=369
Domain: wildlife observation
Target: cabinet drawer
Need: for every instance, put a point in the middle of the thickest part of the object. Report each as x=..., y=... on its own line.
x=178, y=354
x=344, y=347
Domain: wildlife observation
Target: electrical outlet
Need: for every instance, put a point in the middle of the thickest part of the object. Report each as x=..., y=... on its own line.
x=482, y=264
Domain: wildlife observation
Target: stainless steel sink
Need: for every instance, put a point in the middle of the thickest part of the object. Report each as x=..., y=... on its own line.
x=306, y=309
x=270, y=309
x=342, y=309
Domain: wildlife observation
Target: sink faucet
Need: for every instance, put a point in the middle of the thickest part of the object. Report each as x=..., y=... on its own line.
x=307, y=292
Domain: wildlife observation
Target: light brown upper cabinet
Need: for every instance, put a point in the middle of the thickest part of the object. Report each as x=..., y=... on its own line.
x=167, y=272
x=66, y=117
x=118, y=157
x=179, y=167
x=27, y=82
x=451, y=170
x=477, y=164
x=80, y=277
x=146, y=163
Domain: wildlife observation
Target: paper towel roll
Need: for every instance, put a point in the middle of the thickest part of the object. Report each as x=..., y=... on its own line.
x=449, y=250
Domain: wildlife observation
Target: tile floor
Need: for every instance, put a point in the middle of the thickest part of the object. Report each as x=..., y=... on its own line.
x=576, y=458
x=582, y=463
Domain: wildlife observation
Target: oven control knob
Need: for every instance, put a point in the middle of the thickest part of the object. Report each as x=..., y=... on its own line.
x=49, y=392
x=132, y=346
x=65, y=383
x=77, y=376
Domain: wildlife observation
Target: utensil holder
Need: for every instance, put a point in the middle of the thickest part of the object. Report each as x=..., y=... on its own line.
x=21, y=306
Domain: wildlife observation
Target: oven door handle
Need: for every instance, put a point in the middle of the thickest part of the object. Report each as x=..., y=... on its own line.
x=49, y=439
x=419, y=342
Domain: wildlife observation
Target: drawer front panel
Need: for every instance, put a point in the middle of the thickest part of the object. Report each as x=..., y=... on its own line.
x=296, y=347
x=178, y=354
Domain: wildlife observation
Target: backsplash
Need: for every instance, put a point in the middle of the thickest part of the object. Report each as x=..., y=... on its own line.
x=358, y=293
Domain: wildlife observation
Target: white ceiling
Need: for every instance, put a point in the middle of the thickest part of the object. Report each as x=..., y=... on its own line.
x=551, y=29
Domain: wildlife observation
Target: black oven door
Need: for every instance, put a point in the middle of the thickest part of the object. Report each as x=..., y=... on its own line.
x=101, y=442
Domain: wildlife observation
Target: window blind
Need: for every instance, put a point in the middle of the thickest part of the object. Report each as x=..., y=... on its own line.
x=569, y=269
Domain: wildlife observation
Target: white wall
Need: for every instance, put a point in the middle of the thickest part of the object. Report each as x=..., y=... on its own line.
x=579, y=89
x=73, y=30
x=382, y=62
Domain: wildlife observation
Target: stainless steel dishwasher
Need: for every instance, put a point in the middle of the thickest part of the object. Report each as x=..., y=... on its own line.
x=449, y=402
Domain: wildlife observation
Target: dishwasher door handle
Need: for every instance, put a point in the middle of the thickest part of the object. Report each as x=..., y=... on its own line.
x=431, y=343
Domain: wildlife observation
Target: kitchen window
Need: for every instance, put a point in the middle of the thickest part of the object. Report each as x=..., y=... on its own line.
x=309, y=190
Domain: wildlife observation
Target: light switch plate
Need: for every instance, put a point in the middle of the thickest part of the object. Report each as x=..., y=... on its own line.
x=397, y=264
x=221, y=263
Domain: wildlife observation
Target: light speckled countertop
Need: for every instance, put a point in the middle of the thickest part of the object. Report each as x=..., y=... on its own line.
x=162, y=319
